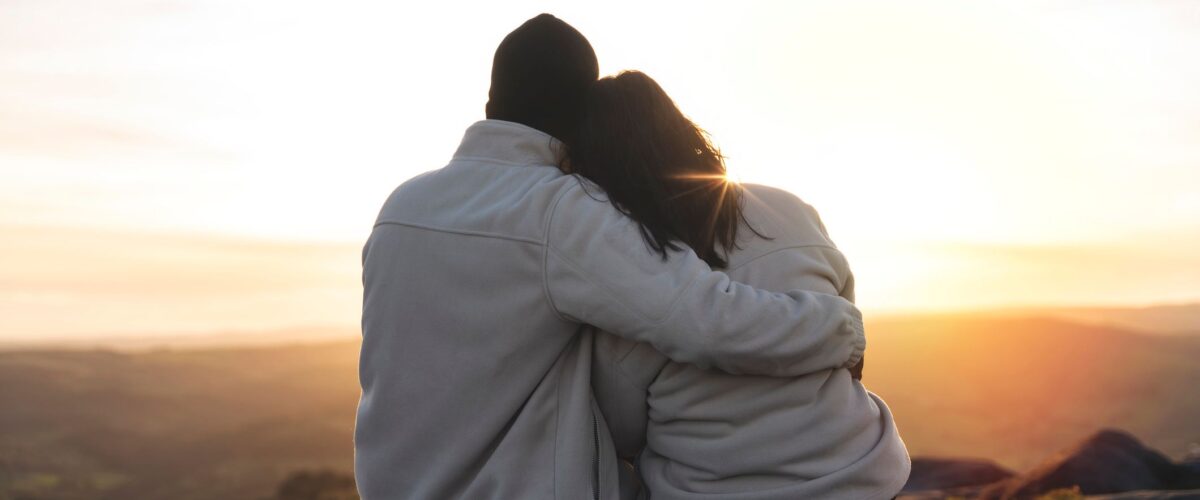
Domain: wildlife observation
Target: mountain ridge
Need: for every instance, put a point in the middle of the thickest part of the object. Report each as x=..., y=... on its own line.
x=232, y=422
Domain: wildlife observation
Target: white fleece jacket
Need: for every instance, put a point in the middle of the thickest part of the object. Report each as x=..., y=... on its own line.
x=707, y=434
x=478, y=278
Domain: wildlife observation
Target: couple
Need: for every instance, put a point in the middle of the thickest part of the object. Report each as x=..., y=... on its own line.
x=579, y=306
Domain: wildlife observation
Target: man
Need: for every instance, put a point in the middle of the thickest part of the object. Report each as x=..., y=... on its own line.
x=479, y=278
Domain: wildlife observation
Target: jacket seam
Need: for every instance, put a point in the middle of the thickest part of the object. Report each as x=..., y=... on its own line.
x=546, y=257
x=464, y=232
x=845, y=277
x=512, y=125
x=777, y=250
x=487, y=162
x=621, y=368
x=557, y=427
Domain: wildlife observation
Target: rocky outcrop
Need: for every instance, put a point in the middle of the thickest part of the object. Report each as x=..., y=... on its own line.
x=1150, y=495
x=317, y=485
x=1110, y=462
x=946, y=473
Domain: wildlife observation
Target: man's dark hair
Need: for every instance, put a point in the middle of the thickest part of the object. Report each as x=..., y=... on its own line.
x=540, y=75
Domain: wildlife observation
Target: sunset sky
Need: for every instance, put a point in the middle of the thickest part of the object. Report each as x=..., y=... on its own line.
x=181, y=166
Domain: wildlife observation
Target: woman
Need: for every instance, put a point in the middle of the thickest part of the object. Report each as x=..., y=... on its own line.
x=702, y=433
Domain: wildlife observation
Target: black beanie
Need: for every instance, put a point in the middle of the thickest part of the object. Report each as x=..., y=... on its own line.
x=540, y=74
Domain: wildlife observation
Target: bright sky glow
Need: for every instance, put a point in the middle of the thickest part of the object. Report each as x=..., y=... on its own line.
x=963, y=154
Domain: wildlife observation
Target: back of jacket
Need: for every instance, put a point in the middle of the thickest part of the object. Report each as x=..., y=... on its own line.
x=819, y=435
x=473, y=386
x=477, y=278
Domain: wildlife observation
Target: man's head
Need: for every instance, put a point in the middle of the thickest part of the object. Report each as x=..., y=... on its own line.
x=540, y=75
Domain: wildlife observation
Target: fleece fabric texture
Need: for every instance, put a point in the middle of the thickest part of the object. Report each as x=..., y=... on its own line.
x=707, y=434
x=478, y=278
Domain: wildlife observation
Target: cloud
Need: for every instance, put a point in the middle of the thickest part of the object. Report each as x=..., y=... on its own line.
x=24, y=132
x=1153, y=270
x=66, y=282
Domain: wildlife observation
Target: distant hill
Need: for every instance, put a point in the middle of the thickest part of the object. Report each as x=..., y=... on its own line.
x=1173, y=319
x=1015, y=389
x=233, y=423
x=209, y=340
x=1108, y=462
x=186, y=425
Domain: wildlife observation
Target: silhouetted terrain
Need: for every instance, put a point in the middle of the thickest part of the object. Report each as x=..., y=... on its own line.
x=181, y=425
x=1108, y=462
x=1172, y=319
x=235, y=423
x=1016, y=390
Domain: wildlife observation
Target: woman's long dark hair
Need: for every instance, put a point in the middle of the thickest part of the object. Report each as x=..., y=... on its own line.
x=657, y=167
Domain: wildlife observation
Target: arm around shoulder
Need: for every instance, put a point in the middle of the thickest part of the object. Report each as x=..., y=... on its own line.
x=600, y=271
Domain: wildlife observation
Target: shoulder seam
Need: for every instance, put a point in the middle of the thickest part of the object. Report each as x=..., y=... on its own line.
x=777, y=250
x=546, y=254
x=472, y=160
x=463, y=232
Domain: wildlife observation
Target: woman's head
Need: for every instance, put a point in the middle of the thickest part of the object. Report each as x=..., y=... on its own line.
x=657, y=167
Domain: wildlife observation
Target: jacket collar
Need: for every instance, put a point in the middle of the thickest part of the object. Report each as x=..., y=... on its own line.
x=510, y=143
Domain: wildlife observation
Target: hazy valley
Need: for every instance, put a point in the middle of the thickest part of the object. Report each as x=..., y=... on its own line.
x=233, y=422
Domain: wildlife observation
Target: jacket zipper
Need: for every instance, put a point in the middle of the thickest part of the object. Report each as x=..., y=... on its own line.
x=595, y=458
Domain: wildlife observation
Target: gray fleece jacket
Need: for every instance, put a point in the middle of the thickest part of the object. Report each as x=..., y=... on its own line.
x=478, y=278
x=708, y=434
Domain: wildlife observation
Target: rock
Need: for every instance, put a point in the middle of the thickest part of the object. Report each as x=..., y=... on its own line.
x=1110, y=461
x=317, y=485
x=947, y=473
x=1150, y=495
x=1191, y=469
